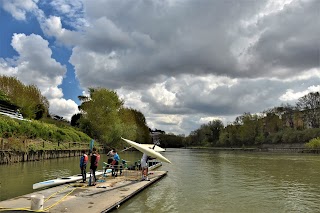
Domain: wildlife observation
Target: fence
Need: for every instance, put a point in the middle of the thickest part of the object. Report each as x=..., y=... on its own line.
x=26, y=145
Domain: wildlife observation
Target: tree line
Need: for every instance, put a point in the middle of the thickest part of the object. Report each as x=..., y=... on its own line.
x=283, y=124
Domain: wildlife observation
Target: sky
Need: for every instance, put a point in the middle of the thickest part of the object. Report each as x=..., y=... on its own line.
x=182, y=63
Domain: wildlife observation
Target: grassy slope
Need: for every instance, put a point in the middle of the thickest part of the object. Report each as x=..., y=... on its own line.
x=40, y=135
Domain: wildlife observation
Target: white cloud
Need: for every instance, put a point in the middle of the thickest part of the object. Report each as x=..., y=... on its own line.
x=63, y=107
x=292, y=95
x=35, y=65
x=71, y=11
x=181, y=63
x=7, y=68
x=19, y=8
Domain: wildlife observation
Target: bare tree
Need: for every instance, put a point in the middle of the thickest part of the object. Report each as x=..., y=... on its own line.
x=310, y=105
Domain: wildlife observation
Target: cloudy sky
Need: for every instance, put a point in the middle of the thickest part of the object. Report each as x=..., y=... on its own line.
x=181, y=63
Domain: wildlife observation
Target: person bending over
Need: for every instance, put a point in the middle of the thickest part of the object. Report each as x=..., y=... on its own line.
x=144, y=166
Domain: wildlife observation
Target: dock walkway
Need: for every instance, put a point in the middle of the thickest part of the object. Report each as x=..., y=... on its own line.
x=108, y=194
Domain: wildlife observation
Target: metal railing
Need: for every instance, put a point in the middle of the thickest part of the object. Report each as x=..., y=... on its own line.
x=11, y=113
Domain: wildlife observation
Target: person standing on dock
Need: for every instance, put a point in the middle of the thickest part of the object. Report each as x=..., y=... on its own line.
x=94, y=161
x=144, y=165
x=110, y=158
x=115, y=163
x=83, y=165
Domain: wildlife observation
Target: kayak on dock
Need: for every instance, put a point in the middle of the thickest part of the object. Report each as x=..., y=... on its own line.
x=64, y=180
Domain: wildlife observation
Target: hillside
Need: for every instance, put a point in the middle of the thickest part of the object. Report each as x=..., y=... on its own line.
x=19, y=135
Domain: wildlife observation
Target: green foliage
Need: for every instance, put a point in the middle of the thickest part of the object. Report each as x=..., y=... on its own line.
x=313, y=143
x=16, y=131
x=75, y=119
x=172, y=141
x=207, y=134
x=3, y=96
x=142, y=129
x=100, y=115
x=104, y=118
x=28, y=97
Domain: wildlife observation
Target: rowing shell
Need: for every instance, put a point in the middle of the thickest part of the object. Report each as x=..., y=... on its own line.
x=148, y=151
x=61, y=180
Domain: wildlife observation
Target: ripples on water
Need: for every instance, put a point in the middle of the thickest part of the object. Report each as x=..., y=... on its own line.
x=202, y=181
x=216, y=181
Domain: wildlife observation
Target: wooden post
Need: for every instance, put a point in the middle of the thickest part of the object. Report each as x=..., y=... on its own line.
x=2, y=144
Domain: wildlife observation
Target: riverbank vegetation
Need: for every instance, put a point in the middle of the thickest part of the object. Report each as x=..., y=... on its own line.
x=279, y=125
x=102, y=117
x=20, y=135
x=26, y=98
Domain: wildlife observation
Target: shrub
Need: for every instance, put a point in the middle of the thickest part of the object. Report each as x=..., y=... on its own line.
x=313, y=143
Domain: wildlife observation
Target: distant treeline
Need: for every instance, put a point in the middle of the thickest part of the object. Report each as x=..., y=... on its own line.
x=284, y=124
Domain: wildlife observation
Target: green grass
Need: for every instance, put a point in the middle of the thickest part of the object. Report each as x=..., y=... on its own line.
x=39, y=135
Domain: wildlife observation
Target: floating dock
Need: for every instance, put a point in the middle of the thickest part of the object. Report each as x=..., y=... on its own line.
x=108, y=194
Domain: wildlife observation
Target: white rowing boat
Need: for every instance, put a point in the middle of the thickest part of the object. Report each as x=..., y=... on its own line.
x=62, y=180
x=154, y=164
x=147, y=150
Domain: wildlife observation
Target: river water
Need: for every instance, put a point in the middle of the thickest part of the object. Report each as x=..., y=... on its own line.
x=200, y=181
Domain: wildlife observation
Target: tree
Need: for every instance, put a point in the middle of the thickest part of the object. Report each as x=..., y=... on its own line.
x=75, y=119
x=100, y=114
x=28, y=97
x=128, y=120
x=310, y=105
x=248, y=128
x=215, y=127
x=143, y=134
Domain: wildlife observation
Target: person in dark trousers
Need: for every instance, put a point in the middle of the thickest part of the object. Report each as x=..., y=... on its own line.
x=83, y=165
x=115, y=163
x=110, y=159
x=94, y=161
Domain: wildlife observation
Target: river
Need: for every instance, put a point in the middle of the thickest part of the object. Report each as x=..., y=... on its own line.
x=200, y=181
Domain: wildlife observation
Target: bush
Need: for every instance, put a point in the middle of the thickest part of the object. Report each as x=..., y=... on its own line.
x=313, y=143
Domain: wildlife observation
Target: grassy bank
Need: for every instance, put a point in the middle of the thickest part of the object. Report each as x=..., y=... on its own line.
x=19, y=135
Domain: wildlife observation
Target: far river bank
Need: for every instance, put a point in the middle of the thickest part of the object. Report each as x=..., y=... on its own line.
x=8, y=156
